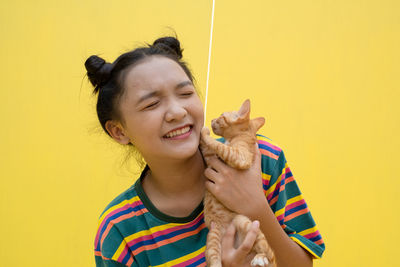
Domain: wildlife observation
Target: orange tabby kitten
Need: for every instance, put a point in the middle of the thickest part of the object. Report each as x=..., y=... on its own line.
x=238, y=152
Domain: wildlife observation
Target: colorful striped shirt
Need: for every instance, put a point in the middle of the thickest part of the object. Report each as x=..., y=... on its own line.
x=133, y=232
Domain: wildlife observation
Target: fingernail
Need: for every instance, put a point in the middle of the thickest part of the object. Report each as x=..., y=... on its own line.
x=256, y=223
x=212, y=225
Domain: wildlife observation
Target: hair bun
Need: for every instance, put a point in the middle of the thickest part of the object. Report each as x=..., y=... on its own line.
x=98, y=71
x=171, y=44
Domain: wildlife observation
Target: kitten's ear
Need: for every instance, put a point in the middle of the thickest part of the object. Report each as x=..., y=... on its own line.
x=257, y=123
x=244, y=111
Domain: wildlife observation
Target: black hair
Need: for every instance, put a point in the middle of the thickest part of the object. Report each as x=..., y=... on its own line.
x=108, y=78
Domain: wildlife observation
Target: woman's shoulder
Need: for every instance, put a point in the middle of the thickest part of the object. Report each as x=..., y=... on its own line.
x=268, y=147
x=124, y=201
x=128, y=196
x=272, y=157
x=118, y=221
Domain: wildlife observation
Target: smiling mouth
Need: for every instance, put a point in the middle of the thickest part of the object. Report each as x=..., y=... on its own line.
x=178, y=132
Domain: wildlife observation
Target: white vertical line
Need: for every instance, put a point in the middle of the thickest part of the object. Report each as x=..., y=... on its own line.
x=209, y=60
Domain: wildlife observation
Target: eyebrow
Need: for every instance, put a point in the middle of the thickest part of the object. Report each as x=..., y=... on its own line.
x=155, y=93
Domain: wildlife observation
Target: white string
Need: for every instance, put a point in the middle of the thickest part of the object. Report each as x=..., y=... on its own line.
x=209, y=60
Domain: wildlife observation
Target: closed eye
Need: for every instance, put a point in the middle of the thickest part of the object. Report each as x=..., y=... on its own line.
x=187, y=94
x=152, y=105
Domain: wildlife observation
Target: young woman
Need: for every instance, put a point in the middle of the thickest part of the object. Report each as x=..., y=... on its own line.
x=147, y=99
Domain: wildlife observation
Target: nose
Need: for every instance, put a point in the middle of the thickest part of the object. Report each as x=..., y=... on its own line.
x=175, y=112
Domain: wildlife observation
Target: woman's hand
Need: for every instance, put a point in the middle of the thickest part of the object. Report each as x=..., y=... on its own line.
x=239, y=190
x=242, y=255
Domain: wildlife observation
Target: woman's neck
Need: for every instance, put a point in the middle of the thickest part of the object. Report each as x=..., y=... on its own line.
x=176, y=188
x=176, y=177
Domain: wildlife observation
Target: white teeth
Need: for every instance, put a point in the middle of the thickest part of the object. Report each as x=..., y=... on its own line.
x=178, y=132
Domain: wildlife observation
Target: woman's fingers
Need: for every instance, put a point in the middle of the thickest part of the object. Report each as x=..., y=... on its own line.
x=216, y=163
x=242, y=255
x=214, y=179
x=211, y=174
x=249, y=240
x=229, y=238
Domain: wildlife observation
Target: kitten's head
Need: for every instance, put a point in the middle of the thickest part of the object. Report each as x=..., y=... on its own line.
x=230, y=124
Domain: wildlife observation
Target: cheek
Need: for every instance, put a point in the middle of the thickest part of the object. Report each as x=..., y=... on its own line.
x=145, y=137
x=197, y=110
x=143, y=128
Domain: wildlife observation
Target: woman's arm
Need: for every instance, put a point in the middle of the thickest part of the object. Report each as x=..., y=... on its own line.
x=242, y=192
x=287, y=252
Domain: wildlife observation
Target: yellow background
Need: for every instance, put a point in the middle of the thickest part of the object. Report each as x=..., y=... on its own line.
x=325, y=74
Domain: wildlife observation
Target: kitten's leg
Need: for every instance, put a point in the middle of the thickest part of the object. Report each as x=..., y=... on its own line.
x=206, y=151
x=237, y=158
x=213, y=247
x=264, y=252
x=264, y=256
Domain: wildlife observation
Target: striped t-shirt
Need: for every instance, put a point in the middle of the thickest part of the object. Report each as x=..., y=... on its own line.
x=133, y=232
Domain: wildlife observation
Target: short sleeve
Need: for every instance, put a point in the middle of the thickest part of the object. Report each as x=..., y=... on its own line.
x=100, y=262
x=111, y=249
x=286, y=200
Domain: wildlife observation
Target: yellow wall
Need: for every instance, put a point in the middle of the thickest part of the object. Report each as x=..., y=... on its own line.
x=325, y=74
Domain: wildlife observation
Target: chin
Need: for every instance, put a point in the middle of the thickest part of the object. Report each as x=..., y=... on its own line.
x=184, y=152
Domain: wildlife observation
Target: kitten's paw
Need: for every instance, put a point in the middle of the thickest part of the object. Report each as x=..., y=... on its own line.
x=205, y=131
x=260, y=260
x=205, y=135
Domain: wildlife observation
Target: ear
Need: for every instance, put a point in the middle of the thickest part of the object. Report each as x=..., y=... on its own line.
x=244, y=111
x=117, y=132
x=257, y=123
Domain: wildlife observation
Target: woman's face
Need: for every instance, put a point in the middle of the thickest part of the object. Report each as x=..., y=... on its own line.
x=161, y=112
